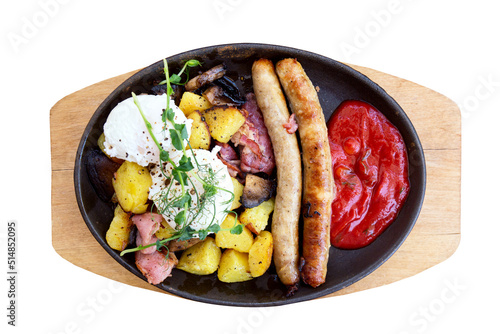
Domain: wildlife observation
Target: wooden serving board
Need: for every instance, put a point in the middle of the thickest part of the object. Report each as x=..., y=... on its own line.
x=434, y=238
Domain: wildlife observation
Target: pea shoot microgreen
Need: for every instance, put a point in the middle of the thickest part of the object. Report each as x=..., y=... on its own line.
x=176, y=79
x=180, y=206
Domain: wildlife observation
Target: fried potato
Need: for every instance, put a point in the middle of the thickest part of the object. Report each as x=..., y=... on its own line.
x=200, y=134
x=238, y=191
x=261, y=254
x=256, y=219
x=118, y=233
x=191, y=102
x=234, y=267
x=165, y=231
x=131, y=183
x=100, y=143
x=201, y=259
x=223, y=122
x=240, y=242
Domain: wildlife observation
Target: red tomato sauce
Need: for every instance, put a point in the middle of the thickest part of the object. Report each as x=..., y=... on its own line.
x=370, y=166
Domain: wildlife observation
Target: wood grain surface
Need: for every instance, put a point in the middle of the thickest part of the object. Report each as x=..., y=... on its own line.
x=434, y=238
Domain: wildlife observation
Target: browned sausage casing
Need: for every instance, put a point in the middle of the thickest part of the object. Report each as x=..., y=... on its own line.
x=285, y=222
x=319, y=187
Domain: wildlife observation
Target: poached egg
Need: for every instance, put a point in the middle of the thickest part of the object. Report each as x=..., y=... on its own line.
x=204, y=213
x=127, y=136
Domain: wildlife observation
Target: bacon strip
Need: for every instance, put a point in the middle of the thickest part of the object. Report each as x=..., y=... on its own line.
x=155, y=267
x=147, y=225
x=291, y=126
x=230, y=158
x=140, y=242
x=255, y=146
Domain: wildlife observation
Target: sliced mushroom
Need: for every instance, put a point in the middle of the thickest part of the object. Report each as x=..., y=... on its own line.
x=256, y=190
x=100, y=170
x=178, y=245
x=230, y=89
x=215, y=95
x=132, y=236
x=209, y=76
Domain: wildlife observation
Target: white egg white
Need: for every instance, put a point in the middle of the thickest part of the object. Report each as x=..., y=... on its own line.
x=213, y=211
x=126, y=134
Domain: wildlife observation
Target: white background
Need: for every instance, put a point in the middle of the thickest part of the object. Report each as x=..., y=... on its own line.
x=448, y=46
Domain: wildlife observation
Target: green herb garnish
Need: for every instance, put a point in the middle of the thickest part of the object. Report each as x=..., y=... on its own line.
x=180, y=206
x=176, y=79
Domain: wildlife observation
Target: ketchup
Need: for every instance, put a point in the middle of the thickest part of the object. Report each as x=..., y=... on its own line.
x=370, y=167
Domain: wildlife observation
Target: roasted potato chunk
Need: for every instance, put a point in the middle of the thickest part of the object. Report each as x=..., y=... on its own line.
x=200, y=134
x=165, y=231
x=118, y=233
x=131, y=183
x=261, y=254
x=240, y=242
x=100, y=143
x=223, y=122
x=201, y=259
x=191, y=102
x=234, y=267
x=238, y=191
x=256, y=219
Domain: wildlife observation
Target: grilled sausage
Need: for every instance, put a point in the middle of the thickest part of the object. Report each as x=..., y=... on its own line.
x=319, y=187
x=285, y=222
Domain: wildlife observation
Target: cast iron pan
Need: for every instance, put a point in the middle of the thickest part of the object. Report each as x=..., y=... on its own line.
x=337, y=83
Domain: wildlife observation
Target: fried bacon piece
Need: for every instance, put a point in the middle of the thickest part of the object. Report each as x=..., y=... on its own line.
x=256, y=151
x=291, y=126
x=147, y=225
x=155, y=267
x=230, y=158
